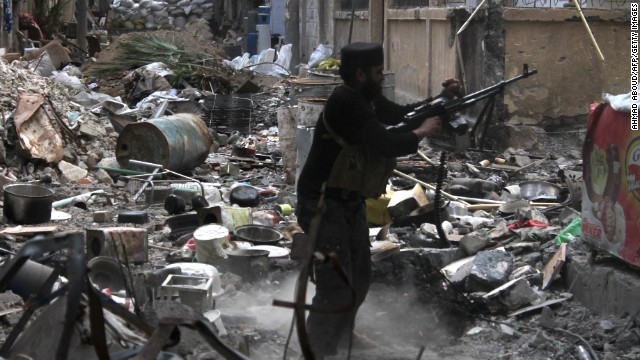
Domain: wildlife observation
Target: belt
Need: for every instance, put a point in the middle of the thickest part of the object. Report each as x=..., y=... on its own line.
x=342, y=194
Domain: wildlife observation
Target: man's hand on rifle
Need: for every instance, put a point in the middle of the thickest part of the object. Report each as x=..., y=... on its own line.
x=429, y=127
x=451, y=89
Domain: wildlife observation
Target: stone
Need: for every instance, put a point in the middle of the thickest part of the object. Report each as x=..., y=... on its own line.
x=439, y=258
x=546, y=319
x=518, y=295
x=458, y=270
x=429, y=230
x=507, y=331
x=69, y=155
x=102, y=216
x=92, y=130
x=111, y=162
x=104, y=177
x=490, y=269
x=9, y=300
x=473, y=242
x=522, y=160
x=531, y=259
x=71, y=173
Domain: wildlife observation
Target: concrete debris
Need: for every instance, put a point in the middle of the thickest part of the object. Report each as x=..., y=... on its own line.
x=474, y=242
x=490, y=269
x=71, y=173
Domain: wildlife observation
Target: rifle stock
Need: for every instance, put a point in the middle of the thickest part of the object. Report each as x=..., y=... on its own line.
x=447, y=109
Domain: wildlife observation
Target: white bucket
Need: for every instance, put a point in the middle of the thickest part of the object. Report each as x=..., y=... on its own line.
x=210, y=243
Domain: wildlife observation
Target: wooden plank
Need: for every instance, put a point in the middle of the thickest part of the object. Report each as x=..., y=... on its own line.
x=29, y=230
x=553, y=267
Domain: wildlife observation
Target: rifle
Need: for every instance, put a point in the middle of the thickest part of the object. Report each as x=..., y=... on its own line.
x=447, y=109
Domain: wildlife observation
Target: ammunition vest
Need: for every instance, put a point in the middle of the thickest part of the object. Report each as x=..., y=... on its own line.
x=359, y=168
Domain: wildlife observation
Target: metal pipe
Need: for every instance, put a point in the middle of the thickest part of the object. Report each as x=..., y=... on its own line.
x=430, y=187
x=71, y=200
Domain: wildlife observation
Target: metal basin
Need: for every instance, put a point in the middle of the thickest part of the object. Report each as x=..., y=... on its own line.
x=251, y=264
x=258, y=234
x=27, y=203
x=539, y=190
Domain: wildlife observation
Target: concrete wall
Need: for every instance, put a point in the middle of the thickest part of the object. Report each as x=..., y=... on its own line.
x=421, y=52
x=570, y=74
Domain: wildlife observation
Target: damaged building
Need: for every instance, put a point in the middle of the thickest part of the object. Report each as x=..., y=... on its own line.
x=151, y=150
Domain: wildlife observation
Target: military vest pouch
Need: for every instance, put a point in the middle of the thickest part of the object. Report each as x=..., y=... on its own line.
x=359, y=168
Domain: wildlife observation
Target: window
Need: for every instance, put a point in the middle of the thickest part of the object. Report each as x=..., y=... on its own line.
x=409, y=3
x=360, y=4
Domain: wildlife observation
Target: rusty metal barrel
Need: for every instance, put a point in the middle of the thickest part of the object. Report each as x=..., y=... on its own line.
x=177, y=142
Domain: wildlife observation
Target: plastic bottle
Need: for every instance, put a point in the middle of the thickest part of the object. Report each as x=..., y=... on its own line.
x=570, y=232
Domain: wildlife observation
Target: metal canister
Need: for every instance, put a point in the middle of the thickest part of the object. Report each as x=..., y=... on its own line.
x=177, y=142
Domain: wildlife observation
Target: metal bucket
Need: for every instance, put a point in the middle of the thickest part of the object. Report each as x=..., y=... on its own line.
x=309, y=110
x=29, y=279
x=308, y=87
x=27, y=203
x=251, y=264
x=177, y=142
x=304, y=138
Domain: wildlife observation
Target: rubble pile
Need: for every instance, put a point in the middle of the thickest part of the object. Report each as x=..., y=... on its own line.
x=86, y=137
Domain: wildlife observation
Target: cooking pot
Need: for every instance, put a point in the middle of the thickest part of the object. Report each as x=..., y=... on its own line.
x=258, y=234
x=539, y=190
x=27, y=203
x=250, y=264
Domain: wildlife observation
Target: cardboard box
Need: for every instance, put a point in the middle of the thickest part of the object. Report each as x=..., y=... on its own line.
x=611, y=193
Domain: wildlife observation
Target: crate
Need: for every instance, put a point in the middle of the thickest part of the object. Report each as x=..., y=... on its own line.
x=157, y=194
x=193, y=291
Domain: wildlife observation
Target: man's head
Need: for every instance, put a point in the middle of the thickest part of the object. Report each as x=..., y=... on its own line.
x=361, y=67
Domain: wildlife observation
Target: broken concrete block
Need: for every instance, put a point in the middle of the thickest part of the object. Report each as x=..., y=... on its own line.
x=104, y=177
x=102, y=216
x=512, y=295
x=403, y=202
x=518, y=295
x=111, y=162
x=92, y=130
x=546, y=319
x=429, y=229
x=522, y=160
x=439, y=258
x=458, y=270
x=472, y=243
x=506, y=331
x=70, y=172
x=490, y=269
x=531, y=258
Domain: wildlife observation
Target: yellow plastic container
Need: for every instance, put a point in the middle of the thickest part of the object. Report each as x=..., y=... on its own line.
x=377, y=213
